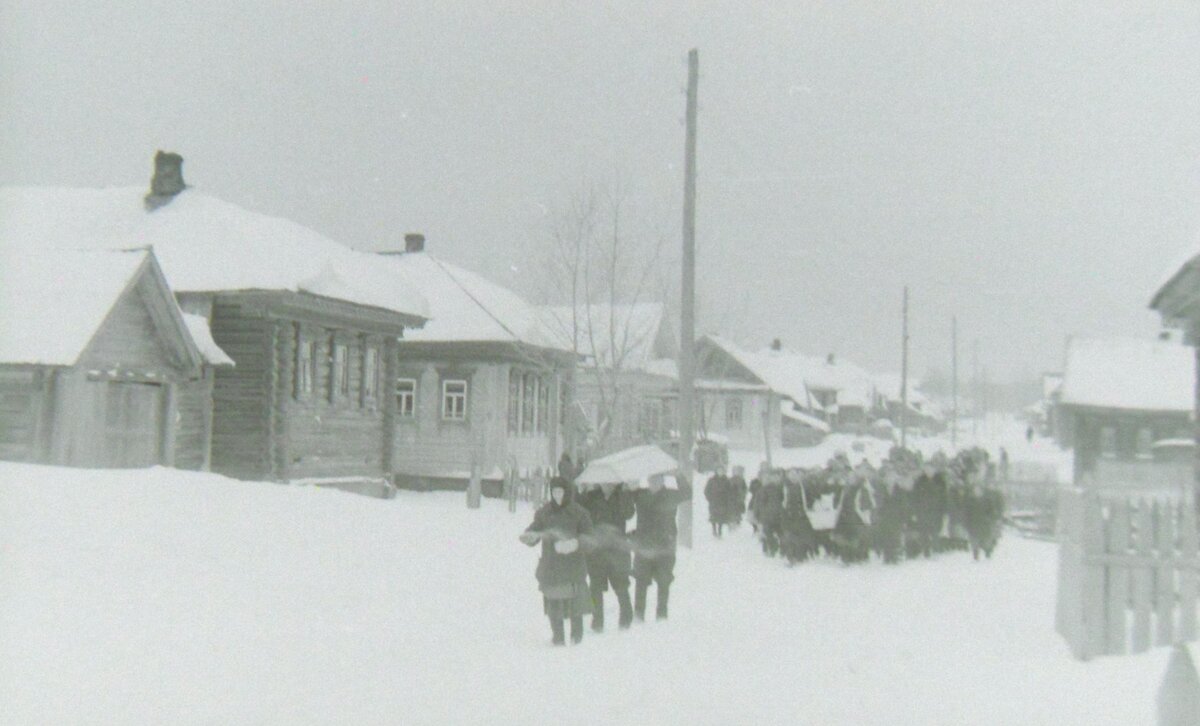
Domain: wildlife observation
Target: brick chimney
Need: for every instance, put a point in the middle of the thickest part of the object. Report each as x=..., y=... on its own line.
x=776, y=345
x=167, y=181
x=414, y=242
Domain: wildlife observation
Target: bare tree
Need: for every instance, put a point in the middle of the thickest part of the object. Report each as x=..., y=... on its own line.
x=600, y=260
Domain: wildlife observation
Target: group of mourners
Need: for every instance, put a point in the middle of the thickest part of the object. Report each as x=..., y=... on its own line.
x=586, y=550
x=907, y=507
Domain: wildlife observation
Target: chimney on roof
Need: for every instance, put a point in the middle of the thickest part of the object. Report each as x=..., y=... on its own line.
x=414, y=242
x=776, y=345
x=167, y=181
x=829, y=359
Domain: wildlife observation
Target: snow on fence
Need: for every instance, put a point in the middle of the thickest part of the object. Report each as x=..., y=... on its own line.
x=1129, y=573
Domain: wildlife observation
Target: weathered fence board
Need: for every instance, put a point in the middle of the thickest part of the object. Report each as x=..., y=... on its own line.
x=1164, y=576
x=1129, y=573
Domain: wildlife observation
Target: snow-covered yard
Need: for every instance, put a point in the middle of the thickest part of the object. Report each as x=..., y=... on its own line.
x=169, y=597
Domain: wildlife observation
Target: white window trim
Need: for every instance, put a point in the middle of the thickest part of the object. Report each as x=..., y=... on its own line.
x=465, y=394
x=412, y=395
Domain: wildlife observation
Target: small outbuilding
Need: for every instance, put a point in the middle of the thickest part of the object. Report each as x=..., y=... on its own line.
x=98, y=366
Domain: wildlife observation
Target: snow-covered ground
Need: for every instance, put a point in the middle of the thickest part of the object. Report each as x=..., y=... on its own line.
x=169, y=597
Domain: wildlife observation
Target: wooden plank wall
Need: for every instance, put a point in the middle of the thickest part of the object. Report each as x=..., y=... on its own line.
x=192, y=436
x=240, y=393
x=1128, y=573
x=319, y=436
x=20, y=410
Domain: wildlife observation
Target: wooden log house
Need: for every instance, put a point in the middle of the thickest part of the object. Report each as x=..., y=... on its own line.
x=98, y=367
x=311, y=324
x=478, y=388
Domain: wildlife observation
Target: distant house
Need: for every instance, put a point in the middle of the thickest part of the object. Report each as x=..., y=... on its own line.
x=311, y=325
x=1120, y=396
x=480, y=387
x=98, y=367
x=740, y=399
x=626, y=383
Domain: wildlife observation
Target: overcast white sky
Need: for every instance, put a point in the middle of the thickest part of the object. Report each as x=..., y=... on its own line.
x=1029, y=167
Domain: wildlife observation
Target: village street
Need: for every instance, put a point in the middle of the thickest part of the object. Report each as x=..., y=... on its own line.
x=163, y=596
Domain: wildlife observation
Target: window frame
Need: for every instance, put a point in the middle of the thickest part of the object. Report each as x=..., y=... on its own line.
x=368, y=387
x=447, y=413
x=339, y=370
x=738, y=406
x=411, y=396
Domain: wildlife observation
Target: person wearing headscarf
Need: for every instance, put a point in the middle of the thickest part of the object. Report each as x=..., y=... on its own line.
x=559, y=524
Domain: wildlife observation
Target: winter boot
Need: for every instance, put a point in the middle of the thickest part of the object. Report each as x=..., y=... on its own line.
x=639, y=601
x=556, y=626
x=577, y=629
x=664, y=592
x=626, y=608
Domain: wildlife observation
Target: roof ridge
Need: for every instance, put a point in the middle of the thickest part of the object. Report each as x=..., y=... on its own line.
x=474, y=299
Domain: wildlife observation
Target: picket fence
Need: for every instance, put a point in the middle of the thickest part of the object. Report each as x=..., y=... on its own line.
x=1129, y=572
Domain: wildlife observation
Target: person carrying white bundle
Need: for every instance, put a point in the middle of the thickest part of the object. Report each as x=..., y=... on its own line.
x=562, y=569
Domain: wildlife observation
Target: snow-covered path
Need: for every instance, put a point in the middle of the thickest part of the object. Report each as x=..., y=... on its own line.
x=171, y=597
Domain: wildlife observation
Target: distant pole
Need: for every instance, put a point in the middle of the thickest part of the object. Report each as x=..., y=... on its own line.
x=687, y=327
x=975, y=390
x=904, y=376
x=954, y=381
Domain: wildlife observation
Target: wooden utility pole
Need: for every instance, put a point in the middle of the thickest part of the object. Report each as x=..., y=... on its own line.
x=975, y=393
x=687, y=326
x=954, y=382
x=904, y=376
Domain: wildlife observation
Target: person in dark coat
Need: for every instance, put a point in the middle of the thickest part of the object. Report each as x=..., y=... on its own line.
x=755, y=490
x=567, y=469
x=799, y=539
x=893, y=515
x=928, y=508
x=654, y=542
x=719, y=493
x=562, y=569
x=769, y=512
x=608, y=557
x=738, y=482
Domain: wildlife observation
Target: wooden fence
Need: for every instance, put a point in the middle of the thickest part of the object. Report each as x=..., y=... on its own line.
x=1129, y=572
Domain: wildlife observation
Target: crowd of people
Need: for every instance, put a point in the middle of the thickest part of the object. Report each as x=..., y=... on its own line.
x=586, y=550
x=907, y=507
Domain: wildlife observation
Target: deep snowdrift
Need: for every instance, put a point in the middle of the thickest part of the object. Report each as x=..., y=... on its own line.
x=169, y=597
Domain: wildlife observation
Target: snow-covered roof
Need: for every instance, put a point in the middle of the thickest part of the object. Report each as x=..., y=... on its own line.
x=622, y=335
x=52, y=302
x=466, y=307
x=1129, y=373
x=204, y=244
x=197, y=326
x=795, y=374
x=810, y=421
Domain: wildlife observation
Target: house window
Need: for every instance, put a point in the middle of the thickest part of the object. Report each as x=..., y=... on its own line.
x=514, y=402
x=543, y=406
x=529, y=404
x=650, y=418
x=454, y=400
x=306, y=353
x=339, y=377
x=1145, y=443
x=733, y=413
x=1108, y=442
x=406, y=397
x=370, y=381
